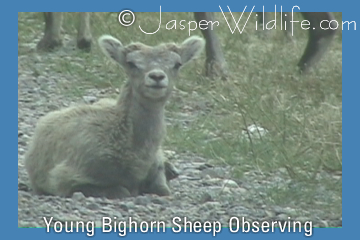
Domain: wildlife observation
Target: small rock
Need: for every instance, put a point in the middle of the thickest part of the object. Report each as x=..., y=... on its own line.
x=283, y=217
x=25, y=224
x=204, y=166
x=127, y=206
x=78, y=196
x=160, y=201
x=215, y=172
x=89, y=99
x=92, y=206
x=21, y=142
x=207, y=177
x=23, y=187
x=220, y=190
x=169, y=154
x=303, y=219
x=142, y=200
x=212, y=182
x=211, y=205
x=230, y=183
x=278, y=210
x=205, y=197
x=254, y=132
x=324, y=224
x=241, y=190
x=52, y=107
x=24, y=194
x=290, y=211
x=270, y=214
x=83, y=210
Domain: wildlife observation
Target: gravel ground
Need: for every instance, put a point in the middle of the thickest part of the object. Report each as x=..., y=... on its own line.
x=203, y=191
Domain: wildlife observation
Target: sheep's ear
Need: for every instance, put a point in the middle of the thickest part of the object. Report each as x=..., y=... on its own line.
x=112, y=48
x=191, y=48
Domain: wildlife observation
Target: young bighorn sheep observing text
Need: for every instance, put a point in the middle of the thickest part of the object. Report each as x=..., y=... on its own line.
x=112, y=149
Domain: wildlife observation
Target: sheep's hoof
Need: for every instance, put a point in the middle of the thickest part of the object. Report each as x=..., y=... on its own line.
x=171, y=172
x=216, y=69
x=49, y=44
x=84, y=44
x=161, y=190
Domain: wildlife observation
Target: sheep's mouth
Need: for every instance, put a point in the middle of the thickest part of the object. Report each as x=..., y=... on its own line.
x=156, y=86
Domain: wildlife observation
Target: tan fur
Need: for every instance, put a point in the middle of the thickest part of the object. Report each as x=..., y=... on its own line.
x=171, y=172
x=112, y=148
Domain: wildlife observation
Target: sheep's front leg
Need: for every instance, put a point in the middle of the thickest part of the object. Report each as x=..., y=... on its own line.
x=106, y=177
x=159, y=186
x=156, y=182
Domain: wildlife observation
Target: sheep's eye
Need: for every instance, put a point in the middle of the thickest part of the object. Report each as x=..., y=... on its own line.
x=132, y=65
x=177, y=65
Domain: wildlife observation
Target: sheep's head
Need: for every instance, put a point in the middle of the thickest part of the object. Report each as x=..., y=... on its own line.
x=151, y=70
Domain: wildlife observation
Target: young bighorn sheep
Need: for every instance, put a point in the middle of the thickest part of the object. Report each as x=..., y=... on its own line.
x=112, y=149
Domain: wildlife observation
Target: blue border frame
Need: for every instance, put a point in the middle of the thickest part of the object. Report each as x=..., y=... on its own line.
x=350, y=88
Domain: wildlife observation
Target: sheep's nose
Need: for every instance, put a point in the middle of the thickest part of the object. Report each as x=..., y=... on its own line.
x=157, y=76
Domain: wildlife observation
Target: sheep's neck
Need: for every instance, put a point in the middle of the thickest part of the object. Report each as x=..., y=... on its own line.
x=148, y=125
x=146, y=120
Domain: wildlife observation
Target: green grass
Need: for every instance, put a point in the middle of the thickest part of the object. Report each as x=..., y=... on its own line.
x=303, y=114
